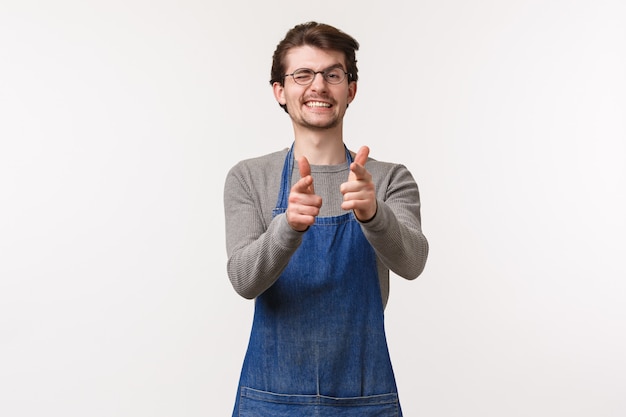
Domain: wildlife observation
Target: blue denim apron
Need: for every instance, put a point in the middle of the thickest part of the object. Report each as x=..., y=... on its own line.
x=317, y=346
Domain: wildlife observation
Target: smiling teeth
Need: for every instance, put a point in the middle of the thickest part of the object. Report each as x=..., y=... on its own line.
x=317, y=104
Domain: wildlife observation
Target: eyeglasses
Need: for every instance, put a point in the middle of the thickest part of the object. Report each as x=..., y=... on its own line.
x=305, y=76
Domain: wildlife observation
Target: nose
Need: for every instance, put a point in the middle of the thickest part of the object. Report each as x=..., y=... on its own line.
x=318, y=83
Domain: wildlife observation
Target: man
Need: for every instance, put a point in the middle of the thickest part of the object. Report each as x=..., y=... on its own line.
x=312, y=232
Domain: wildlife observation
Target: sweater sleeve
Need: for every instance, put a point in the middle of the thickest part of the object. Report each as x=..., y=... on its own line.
x=395, y=232
x=257, y=251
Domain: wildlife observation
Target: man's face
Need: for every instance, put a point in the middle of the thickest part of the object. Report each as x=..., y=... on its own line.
x=319, y=105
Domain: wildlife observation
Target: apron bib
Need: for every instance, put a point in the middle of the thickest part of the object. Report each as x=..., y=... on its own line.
x=317, y=346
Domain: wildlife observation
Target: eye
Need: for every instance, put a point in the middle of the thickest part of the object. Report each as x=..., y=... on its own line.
x=334, y=75
x=303, y=75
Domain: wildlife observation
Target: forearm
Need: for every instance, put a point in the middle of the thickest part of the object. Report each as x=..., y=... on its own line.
x=398, y=241
x=254, y=264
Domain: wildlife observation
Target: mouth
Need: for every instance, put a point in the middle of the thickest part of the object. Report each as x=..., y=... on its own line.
x=318, y=104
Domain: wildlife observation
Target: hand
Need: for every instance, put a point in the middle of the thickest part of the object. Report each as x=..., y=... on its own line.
x=359, y=193
x=304, y=205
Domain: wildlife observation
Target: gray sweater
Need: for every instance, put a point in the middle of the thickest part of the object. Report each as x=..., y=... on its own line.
x=259, y=247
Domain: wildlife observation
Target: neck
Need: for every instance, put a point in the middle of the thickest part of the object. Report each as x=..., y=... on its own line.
x=329, y=152
x=320, y=148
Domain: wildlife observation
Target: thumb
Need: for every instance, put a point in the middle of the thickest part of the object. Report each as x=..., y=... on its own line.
x=304, y=167
x=305, y=171
x=361, y=155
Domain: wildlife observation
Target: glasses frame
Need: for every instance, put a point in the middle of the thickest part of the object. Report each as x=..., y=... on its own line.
x=323, y=72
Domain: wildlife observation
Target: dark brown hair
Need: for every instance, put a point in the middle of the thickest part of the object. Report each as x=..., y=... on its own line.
x=320, y=36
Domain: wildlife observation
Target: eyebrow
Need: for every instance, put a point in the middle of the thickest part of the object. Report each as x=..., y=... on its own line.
x=333, y=67
x=338, y=65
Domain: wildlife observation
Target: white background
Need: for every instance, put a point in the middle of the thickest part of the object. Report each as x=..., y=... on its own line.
x=119, y=121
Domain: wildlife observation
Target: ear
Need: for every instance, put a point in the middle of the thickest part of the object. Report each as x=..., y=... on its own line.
x=279, y=93
x=351, y=91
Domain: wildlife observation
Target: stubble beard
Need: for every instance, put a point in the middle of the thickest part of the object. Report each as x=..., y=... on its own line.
x=305, y=121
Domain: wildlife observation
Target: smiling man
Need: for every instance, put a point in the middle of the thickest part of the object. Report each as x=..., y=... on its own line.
x=312, y=101
x=312, y=232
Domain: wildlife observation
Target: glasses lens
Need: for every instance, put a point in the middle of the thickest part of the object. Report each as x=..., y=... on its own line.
x=303, y=76
x=334, y=76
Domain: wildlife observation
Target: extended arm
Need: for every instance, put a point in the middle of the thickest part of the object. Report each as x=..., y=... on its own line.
x=258, y=252
x=395, y=230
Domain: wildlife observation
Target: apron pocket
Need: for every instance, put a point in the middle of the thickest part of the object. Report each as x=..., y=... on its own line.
x=255, y=403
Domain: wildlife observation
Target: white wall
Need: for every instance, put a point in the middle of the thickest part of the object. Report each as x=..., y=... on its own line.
x=120, y=119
